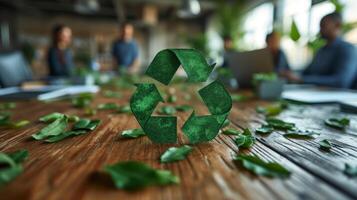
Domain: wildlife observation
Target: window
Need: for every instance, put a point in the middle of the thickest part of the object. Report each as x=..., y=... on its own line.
x=257, y=24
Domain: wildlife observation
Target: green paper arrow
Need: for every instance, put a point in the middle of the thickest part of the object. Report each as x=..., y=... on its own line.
x=163, y=129
x=166, y=63
x=143, y=103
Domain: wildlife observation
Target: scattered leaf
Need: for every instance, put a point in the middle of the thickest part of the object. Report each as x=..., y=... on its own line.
x=55, y=128
x=325, y=145
x=245, y=140
x=7, y=106
x=239, y=97
x=112, y=94
x=302, y=135
x=264, y=129
x=86, y=124
x=171, y=99
x=260, y=167
x=225, y=123
x=134, y=175
x=175, y=154
x=73, y=118
x=337, y=123
x=272, y=110
x=133, y=133
x=124, y=109
x=231, y=131
x=167, y=110
x=11, y=165
x=90, y=111
x=280, y=124
x=82, y=100
x=51, y=117
x=350, y=170
x=107, y=106
x=183, y=108
x=64, y=135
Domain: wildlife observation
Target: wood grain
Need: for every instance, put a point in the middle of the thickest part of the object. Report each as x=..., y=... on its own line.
x=71, y=169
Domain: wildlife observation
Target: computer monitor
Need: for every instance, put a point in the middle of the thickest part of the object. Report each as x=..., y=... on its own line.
x=245, y=64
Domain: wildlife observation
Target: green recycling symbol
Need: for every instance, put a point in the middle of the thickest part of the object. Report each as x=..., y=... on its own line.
x=163, y=129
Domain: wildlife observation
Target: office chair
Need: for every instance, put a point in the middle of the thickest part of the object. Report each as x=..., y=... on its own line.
x=14, y=69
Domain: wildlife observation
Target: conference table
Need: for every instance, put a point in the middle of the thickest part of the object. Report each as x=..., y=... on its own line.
x=73, y=168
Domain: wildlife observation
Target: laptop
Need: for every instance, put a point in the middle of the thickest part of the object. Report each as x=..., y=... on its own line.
x=245, y=64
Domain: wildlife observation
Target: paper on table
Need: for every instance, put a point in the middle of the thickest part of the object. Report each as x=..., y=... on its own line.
x=319, y=96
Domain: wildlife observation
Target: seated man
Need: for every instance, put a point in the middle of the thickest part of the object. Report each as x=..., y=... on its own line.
x=125, y=50
x=335, y=64
x=279, y=59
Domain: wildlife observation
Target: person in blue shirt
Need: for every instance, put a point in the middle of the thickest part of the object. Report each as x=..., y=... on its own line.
x=125, y=50
x=335, y=64
x=279, y=59
x=59, y=56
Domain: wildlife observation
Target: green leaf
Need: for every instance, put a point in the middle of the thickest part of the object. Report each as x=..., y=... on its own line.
x=175, y=154
x=19, y=156
x=167, y=110
x=264, y=129
x=124, y=109
x=81, y=124
x=4, y=117
x=337, y=123
x=55, y=128
x=9, y=173
x=259, y=167
x=135, y=175
x=325, y=145
x=133, y=133
x=226, y=123
x=231, y=131
x=86, y=124
x=302, y=135
x=272, y=110
x=183, y=108
x=83, y=100
x=187, y=97
x=112, y=94
x=90, y=111
x=350, y=170
x=7, y=106
x=171, y=99
x=108, y=106
x=280, y=124
x=73, y=118
x=51, y=117
x=11, y=165
x=18, y=124
x=338, y=5
x=239, y=97
x=64, y=135
x=245, y=140
x=294, y=32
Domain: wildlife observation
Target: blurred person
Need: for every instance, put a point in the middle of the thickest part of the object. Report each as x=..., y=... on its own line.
x=228, y=46
x=335, y=64
x=59, y=57
x=125, y=49
x=279, y=59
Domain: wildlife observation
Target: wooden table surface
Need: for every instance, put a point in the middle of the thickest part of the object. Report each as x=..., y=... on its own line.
x=70, y=169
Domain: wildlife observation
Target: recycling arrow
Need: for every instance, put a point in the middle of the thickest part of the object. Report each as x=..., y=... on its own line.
x=162, y=129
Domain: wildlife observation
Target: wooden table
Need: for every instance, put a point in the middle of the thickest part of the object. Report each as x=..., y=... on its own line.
x=69, y=169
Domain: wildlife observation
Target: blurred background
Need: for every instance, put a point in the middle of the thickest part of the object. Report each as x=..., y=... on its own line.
x=27, y=25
